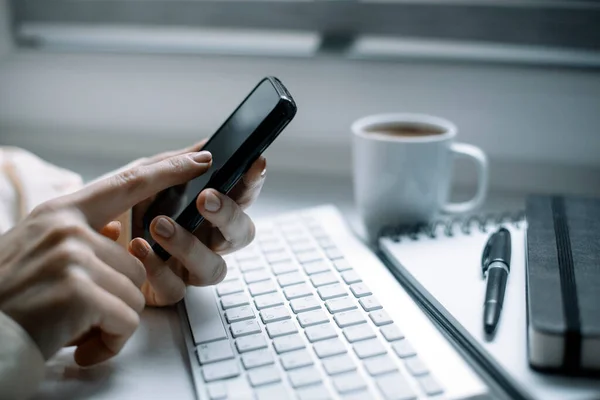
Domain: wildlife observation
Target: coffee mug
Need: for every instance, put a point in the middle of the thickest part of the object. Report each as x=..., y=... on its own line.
x=403, y=170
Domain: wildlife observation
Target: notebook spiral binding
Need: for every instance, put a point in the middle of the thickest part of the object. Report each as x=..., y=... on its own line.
x=449, y=227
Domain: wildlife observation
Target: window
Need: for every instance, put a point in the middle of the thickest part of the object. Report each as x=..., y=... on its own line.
x=564, y=32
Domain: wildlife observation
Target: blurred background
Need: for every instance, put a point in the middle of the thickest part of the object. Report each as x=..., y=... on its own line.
x=93, y=84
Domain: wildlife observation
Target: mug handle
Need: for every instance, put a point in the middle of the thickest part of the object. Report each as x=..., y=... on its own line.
x=481, y=162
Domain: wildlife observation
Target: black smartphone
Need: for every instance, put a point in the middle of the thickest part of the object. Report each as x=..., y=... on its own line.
x=240, y=140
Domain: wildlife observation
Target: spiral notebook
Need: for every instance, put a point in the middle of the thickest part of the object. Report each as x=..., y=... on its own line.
x=440, y=265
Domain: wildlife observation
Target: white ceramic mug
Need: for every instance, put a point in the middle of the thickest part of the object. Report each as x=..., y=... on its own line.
x=401, y=179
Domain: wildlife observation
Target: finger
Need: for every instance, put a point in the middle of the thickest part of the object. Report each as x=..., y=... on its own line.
x=116, y=322
x=228, y=217
x=117, y=284
x=119, y=259
x=167, y=288
x=168, y=154
x=248, y=188
x=106, y=199
x=204, y=267
x=112, y=230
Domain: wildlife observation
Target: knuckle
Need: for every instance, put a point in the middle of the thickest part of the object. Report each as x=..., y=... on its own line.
x=177, y=164
x=71, y=251
x=131, y=179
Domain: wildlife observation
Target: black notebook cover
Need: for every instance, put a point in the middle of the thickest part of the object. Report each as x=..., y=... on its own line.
x=563, y=283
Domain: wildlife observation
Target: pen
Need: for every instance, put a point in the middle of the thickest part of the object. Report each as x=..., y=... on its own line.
x=495, y=264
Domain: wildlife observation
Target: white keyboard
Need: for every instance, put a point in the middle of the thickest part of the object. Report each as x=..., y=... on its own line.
x=294, y=319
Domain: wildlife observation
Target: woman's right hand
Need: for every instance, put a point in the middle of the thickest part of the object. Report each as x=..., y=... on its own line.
x=66, y=283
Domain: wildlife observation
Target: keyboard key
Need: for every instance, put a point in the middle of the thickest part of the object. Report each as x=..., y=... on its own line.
x=318, y=233
x=429, y=385
x=220, y=370
x=323, y=278
x=291, y=278
x=391, y=333
x=295, y=291
x=203, y=315
x=305, y=304
x=314, y=392
x=380, y=317
x=340, y=304
x=302, y=246
x=277, y=257
x=268, y=300
x=284, y=267
x=308, y=256
x=333, y=253
x=287, y=343
x=403, y=349
x=304, y=377
x=395, y=387
x=342, y=265
x=369, y=348
x=239, y=314
x=217, y=391
x=380, y=365
x=361, y=395
x=296, y=359
x=360, y=290
x=251, y=264
x=232, y=273
x=230, y=287
x=274, y=314
x=328, y=348
x=339, y=364
x=350, y=277
x=234, y=300
x=348, y=318
x=264, y=375
x=331, y=291
x=247, y=253
x=359, y=332
x=244, y=328
x=250, y=343
x=315, y=267
x=369, y=303
x=312, y=318
x=348, y=382
x=281, y=328
x=271, y=392
x=215, y=351
x=256, y=276
x=415, y=366
x=272, y=246
x=320, y=332
x=257, y=358
x=325, y=242
x=256, y=289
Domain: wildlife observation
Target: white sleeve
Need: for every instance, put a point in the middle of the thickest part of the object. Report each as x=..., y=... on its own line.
x=22, y=365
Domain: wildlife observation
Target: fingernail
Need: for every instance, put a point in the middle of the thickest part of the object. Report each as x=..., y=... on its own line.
x=164, y=228
x=211, y=202
x=263, y=173
x=202, y=157
x=140, y=249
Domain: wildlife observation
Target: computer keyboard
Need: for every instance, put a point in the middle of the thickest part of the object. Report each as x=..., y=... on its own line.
x=294, y=319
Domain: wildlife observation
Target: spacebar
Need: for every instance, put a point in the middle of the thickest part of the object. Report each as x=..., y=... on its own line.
x=203, y=315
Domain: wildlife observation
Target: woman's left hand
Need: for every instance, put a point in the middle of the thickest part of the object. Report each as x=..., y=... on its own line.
x=195, y=258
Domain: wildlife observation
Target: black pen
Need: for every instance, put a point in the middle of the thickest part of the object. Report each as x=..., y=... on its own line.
x=495, y=263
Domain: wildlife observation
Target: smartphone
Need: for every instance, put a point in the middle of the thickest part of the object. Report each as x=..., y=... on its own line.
x=240, y=140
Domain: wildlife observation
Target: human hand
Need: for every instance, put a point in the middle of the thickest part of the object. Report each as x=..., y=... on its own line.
x=195, y=258
x=65, y=282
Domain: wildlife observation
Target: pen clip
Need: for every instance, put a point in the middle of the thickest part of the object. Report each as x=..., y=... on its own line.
x=485, y=257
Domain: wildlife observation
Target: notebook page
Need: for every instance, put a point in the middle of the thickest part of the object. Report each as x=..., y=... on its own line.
x=449, y=268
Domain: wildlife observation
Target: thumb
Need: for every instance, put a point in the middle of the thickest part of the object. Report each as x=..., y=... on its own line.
x=104, y=200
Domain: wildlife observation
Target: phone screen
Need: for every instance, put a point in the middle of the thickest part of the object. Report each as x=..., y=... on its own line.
x=222, y=145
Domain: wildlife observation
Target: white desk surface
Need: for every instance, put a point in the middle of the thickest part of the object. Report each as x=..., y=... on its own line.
x=153, y=364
